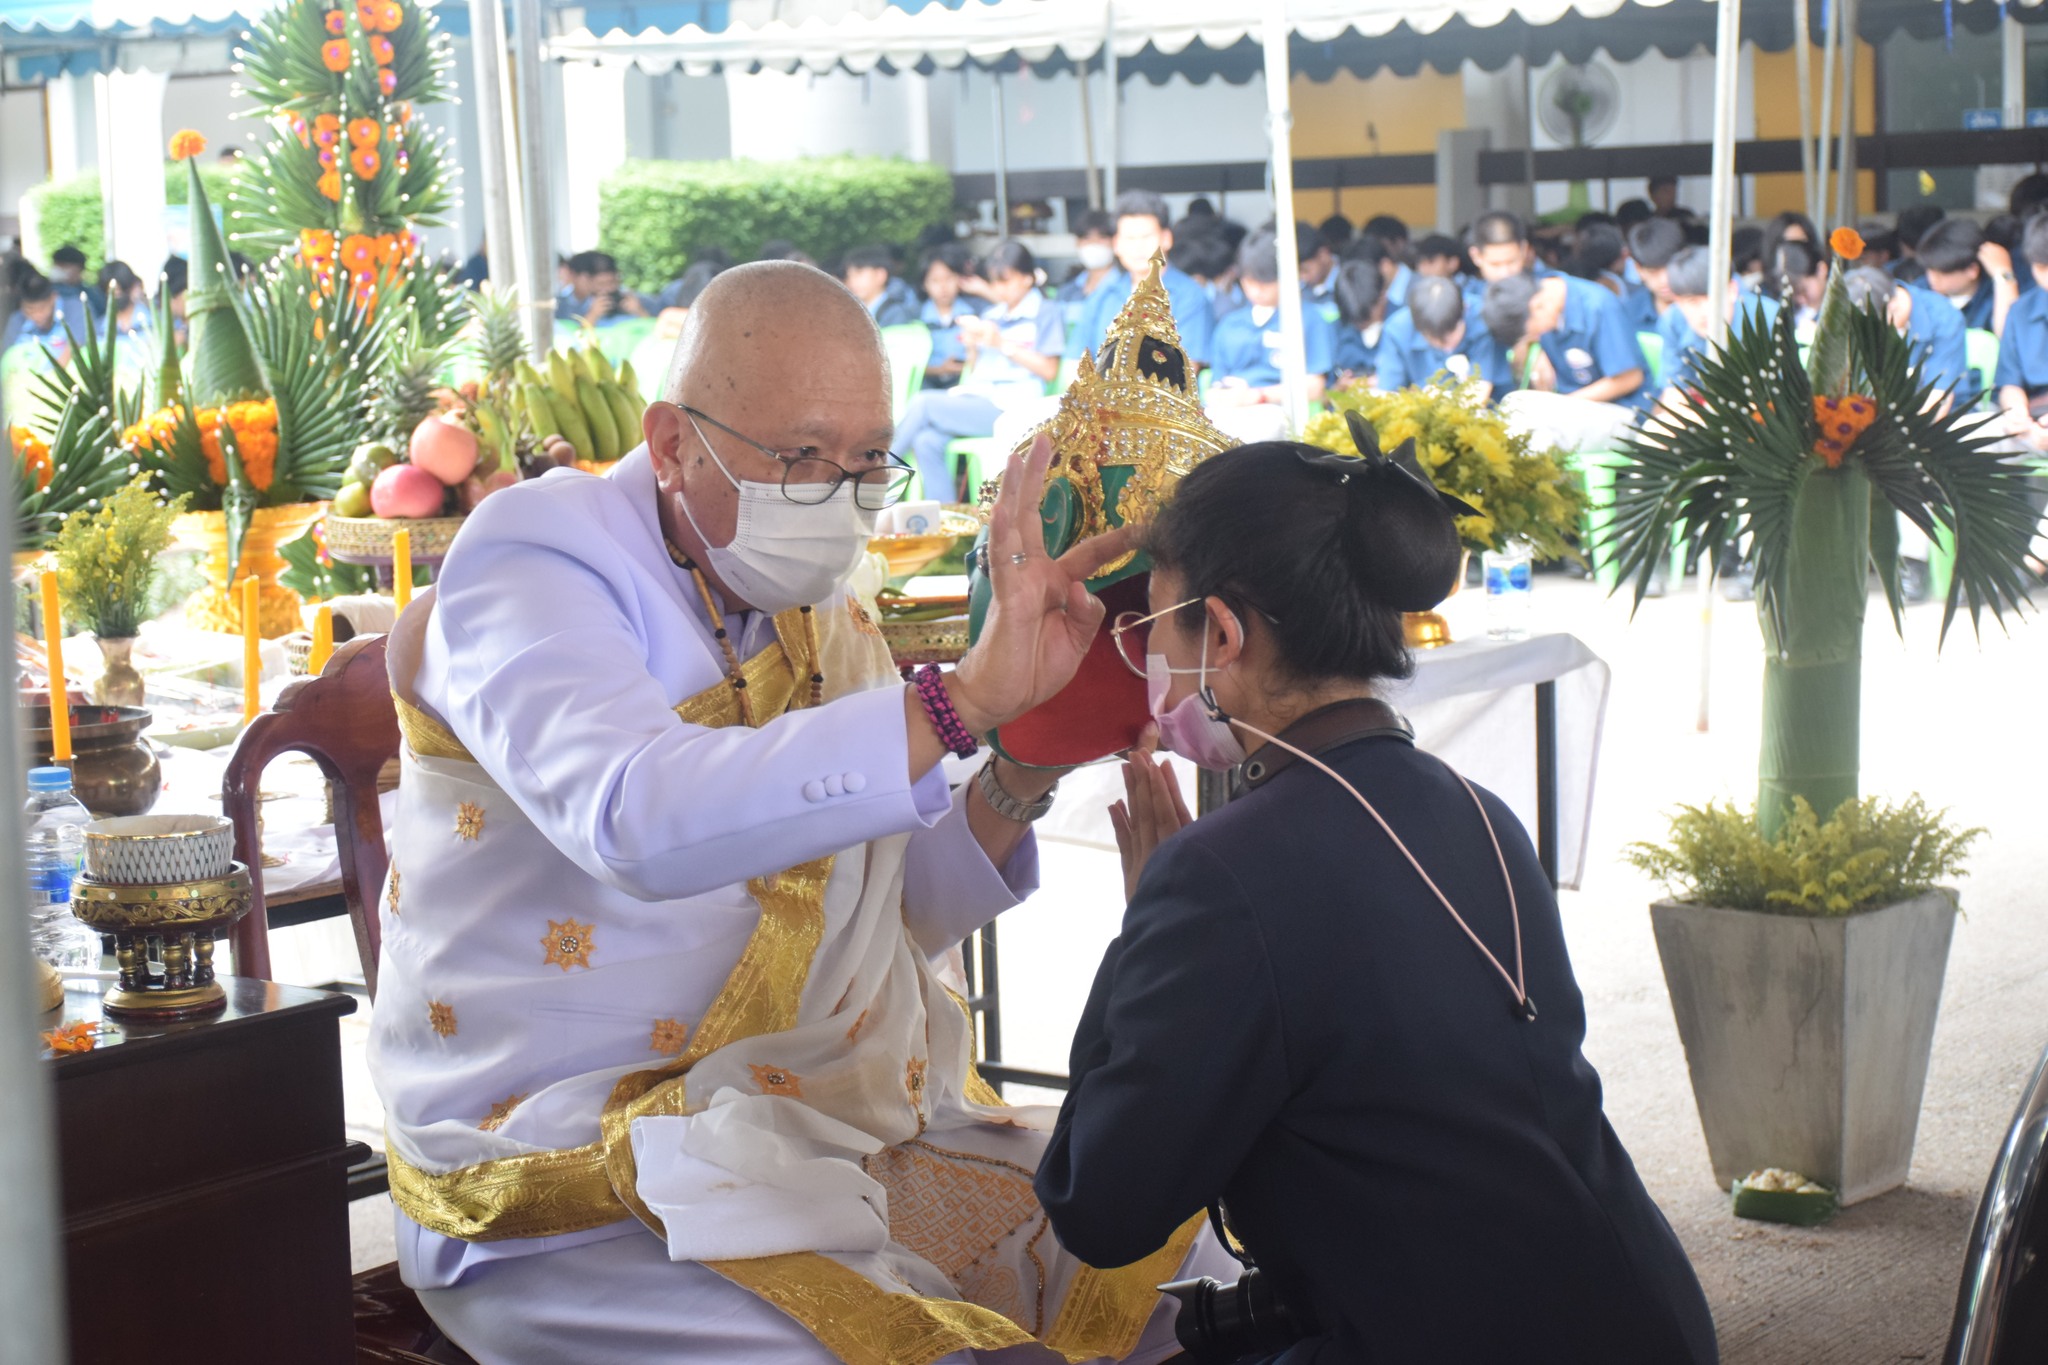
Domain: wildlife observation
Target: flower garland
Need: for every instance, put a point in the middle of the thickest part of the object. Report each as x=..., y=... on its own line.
x=250, y=426
x=34, y=454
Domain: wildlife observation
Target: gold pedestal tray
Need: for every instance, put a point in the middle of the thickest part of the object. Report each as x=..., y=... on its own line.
x=170, y=927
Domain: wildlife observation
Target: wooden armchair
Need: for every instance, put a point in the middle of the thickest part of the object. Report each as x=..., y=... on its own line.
x=345, y=722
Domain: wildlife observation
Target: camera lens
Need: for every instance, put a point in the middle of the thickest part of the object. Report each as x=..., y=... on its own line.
x=1219, y=1324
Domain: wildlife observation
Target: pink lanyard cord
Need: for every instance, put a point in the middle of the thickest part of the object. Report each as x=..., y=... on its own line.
x=1524, y=1006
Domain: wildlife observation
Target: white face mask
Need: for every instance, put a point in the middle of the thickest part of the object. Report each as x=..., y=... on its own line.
x=1095, y=255
x=785, y=554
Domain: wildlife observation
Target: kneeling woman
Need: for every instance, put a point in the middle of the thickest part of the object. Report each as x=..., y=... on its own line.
x=1341, y=1004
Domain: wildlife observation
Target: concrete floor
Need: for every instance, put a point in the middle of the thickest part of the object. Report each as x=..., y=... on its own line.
x=1878, y=1284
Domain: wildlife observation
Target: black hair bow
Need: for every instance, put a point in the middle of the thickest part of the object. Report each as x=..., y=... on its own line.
x=1367, y=439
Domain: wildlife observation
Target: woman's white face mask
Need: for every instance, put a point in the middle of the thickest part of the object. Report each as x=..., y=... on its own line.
x=785, y=554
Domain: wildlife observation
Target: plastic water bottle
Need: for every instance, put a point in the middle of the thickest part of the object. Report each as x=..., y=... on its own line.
x=54, y=829
x=1507, y=592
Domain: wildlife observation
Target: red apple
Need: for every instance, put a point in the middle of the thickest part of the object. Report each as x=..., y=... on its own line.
x=406, y=491
x=444, y=448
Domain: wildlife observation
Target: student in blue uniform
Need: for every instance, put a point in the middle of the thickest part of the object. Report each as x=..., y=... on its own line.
x=1013, y=353
x=869, y=275
x=1929, y=321
x=1972, y=274
x=944, y=306
x=1683, y=325
x=1361, y=304
x=1651, y=245
x=2023, y=351
x=1093, y=233
x=1361, y=1038
x=1245, y=349
x=1590, y=347
x=1500, y=248
x=1600, y=256
x=1439, y=333
x=1141, y=233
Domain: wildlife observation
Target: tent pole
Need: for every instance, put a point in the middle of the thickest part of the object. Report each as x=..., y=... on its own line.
x=1802, y=48
x=1846, y=198
x=1088, y=137
x=1280, y=134
x=532, y=142
x=32, y=1272
x=487, y=53
x=1112, y=117
x=1831, y=23
x=1002, y=154
x=1720, y=269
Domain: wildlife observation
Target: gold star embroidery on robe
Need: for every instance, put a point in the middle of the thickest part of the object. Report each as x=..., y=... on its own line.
x=568, y=944
x=469, y=821
x=913, y=1081
x=854, y=1032
x=862, y=622
x=668, y=1036
x=394, y=888
x=500, y=1111
x=774, y=1080
x=441, y=1018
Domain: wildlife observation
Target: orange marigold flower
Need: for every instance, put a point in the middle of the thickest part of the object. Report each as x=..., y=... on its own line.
x=316, y=244
x=35, y=456
x=186, y=144
x=1846, y=242
x=366, y=14
x=71, y=1038
x=327, y=128
x=337, y=22
x=380, y=49
x=364, y=161
x=334, y=54
x=358, y=253
x=330, y=185
x=387, y=80
x=390, y=15
x=364, y=132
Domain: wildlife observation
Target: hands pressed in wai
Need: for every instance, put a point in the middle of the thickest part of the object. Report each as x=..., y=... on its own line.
x=1151, y=812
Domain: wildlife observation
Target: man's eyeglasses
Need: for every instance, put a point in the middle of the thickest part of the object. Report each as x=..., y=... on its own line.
x=812, y=479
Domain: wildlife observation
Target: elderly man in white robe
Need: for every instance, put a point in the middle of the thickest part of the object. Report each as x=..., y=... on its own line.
x=667, y=1072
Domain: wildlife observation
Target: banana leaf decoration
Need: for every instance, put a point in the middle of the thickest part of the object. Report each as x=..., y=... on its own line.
x=83, y=410
x=1805, y=464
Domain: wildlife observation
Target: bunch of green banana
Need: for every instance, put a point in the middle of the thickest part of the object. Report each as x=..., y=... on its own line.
x=582, y=400
x=497, y=436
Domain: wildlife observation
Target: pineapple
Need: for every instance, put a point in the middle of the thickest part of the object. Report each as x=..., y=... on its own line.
x=499, y=340
x=405, y=390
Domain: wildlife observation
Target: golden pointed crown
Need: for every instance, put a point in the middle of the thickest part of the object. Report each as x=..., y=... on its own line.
x=1132, y=405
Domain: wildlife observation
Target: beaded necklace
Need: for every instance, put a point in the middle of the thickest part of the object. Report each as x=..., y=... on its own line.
x=733, y=671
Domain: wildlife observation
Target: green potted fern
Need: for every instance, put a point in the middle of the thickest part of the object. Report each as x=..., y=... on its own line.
x=1806, y=940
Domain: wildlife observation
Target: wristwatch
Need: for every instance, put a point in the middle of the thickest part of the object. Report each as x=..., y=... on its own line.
x=1006, y=805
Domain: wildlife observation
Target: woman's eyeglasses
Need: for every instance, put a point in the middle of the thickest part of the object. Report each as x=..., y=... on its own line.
x=1130, y=642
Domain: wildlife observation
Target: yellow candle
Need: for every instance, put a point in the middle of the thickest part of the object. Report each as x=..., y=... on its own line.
x=60, y=701
x=323, y=640
x=252, y=653
x=401, y=567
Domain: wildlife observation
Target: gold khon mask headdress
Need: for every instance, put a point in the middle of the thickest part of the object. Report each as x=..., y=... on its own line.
x=1128, y=429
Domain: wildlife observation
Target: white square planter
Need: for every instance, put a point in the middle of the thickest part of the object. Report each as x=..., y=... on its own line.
x=1807, y=1038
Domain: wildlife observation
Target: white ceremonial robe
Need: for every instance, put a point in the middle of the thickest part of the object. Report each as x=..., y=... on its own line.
x=723, y=935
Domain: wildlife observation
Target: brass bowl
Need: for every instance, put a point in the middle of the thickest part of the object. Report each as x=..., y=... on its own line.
x=910, y=553
x=367, y=540
x=163, y=940
x=112, y=907
x=114, y=770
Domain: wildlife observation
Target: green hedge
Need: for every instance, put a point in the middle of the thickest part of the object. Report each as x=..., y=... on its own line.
x=655, y=215
x=67, y=212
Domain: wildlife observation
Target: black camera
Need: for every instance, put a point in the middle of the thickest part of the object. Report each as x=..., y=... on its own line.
x=1219, y=1324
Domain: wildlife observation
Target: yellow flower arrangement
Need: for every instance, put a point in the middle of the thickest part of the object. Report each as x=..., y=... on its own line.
x=107, y=560
x=1466, y=448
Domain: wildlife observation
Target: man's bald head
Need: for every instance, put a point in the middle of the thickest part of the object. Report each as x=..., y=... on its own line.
x=780, y=358
x=768, y=321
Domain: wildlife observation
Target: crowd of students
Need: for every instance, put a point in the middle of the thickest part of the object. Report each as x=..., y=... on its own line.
x=53, y=309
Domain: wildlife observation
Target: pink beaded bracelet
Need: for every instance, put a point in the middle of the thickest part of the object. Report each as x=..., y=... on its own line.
x=938, y=707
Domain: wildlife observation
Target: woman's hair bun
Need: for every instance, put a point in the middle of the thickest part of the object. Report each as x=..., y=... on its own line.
x=1399, y=530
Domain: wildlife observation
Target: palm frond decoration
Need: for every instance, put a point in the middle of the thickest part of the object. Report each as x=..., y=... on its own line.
x=69, y=457
x=319, y=349
x=1797, y=463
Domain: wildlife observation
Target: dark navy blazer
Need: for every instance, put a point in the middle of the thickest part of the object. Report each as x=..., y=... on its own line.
x=1291, y=1021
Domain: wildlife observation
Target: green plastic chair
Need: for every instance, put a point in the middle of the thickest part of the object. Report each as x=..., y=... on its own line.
x=909, y=348
x=1980, y=349
x=975, y=454
x=1653, y=355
